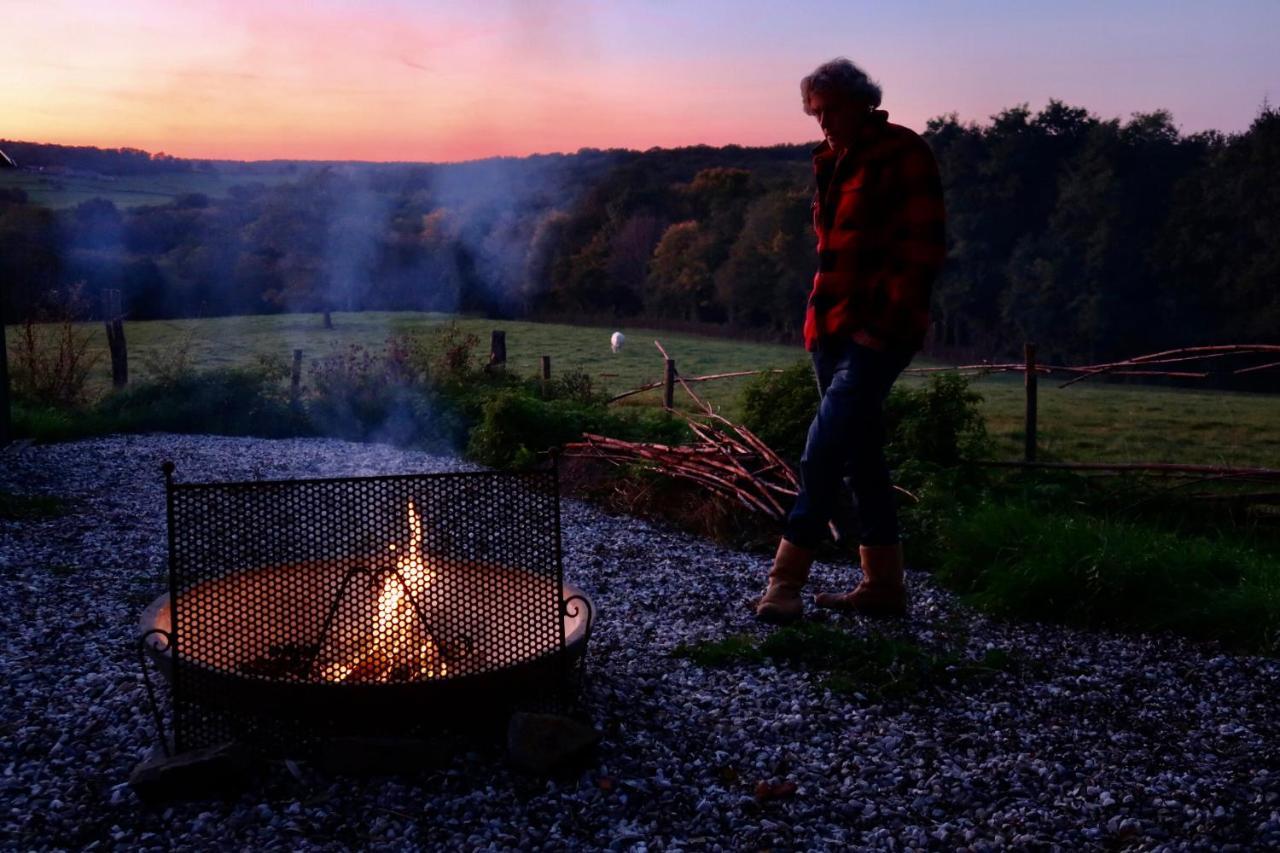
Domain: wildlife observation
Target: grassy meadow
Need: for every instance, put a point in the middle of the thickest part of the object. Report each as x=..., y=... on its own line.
x=58, y=191
x=1086, y=422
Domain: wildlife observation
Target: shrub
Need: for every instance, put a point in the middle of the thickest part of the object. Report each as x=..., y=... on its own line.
x=778, y=408
x=515, y=427
x=235, y=401
x=575, y=386
x=1016, y=561
x=363, y=395
x=47, y=423
x=930, y=432
x=173, y=363
x=449, y=356
x=937, y=425
x=50, y=361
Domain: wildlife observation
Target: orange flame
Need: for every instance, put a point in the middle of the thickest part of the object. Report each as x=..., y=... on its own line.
x=402, y=648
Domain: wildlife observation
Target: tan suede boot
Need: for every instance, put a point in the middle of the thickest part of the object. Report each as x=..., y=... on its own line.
x=881, y=593
x=781, y=601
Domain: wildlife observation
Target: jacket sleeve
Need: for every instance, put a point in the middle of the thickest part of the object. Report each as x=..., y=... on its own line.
x=915, y=249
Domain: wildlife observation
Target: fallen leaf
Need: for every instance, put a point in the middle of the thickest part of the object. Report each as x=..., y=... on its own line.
x=781, y=791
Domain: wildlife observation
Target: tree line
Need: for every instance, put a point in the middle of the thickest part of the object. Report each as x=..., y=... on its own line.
x=1096, y=238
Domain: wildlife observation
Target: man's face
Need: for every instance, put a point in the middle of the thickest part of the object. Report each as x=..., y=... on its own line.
x=839, y=118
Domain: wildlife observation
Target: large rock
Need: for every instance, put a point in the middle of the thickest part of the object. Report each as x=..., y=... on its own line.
x=214, y=771
x=543, y=743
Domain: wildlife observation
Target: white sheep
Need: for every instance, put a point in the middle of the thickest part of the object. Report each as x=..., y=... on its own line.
x=616, y=341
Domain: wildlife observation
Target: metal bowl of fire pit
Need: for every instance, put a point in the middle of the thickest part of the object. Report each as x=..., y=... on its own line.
x=318, y=661
x=372, y=604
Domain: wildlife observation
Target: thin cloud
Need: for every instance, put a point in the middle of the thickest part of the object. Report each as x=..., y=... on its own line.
x=409, y=62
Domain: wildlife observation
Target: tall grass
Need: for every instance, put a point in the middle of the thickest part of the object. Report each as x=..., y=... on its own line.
x=1087, y=422
x=1070, y=567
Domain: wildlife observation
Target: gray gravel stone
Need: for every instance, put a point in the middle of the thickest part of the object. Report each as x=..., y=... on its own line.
x=1134, y=742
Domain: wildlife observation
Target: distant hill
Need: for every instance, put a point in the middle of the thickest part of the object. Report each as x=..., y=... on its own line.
x=44, y=156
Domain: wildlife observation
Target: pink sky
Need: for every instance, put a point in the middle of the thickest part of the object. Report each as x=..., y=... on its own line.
x=413, y=80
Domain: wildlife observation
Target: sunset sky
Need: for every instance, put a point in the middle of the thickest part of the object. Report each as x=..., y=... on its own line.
x=441, y=81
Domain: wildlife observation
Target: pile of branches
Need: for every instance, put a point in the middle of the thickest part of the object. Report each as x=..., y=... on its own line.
x=726, y=458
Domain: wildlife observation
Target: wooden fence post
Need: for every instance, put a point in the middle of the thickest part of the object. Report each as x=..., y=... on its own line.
x=6, y=429
x=669, y=384
x=295, y=378
x=498, y=348
x=1029, y=448
x=113, y=319
x=544, y=380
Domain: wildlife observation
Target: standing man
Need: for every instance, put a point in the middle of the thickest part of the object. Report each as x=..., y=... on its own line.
x=879, y=218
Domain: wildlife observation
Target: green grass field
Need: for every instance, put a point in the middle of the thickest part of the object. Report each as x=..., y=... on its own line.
x=58, y=191
x=1086, y=422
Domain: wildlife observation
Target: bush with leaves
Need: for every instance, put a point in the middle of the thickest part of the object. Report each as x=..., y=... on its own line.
x=930, y=433
x=450, y=356
x=515, y=427
x=359, y=393
x=50, y=360
x=234, y=401
x=778, y=408
x=938, y=425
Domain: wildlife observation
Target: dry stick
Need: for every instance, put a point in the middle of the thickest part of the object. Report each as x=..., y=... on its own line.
x=685, y=385
x=1172, y=360
x=718, y=483
x=718, y=462
x=726, y=448
x=984, y=369
x=1224, y=348
x=1249, y=497
x=744, y=433
x=978, y=367
x=634, y=391
x=671, y=457
x=1266, y=366
x=761, y=487
x=1155, y=357
x=707, y=378
x=767, y=452
x=722, y=442
x=1172, y=469
x=1091, y=370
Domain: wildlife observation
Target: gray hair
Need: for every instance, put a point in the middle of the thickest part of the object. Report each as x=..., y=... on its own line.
x=841, y=78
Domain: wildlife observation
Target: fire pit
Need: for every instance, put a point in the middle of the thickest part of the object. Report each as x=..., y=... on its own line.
x=309, y=608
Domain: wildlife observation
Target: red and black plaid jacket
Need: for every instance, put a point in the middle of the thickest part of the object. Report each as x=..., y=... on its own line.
x=879, y=217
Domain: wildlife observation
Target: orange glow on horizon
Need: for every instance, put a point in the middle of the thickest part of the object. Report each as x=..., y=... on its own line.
x=418, y=80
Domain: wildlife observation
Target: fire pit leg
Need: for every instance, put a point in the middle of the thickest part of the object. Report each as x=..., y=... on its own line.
x=146, y=680
x=571, y=676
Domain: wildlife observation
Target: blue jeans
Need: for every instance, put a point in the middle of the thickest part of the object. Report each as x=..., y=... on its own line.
x=846, y=445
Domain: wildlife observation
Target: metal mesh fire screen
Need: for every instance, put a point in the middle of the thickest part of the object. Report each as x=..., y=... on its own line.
x=370, y=605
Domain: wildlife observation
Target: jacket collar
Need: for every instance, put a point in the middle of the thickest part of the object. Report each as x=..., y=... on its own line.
x=823, y=152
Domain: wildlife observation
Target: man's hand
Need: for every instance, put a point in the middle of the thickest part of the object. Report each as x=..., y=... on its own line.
x=866, y=339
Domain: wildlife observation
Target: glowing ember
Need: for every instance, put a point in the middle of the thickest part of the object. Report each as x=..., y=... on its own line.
x=401, y=648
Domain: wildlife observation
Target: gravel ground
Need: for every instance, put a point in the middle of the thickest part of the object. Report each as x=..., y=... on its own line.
x=1108, y=742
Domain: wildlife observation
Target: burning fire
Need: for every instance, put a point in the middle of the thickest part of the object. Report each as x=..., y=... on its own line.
x=401, y=648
